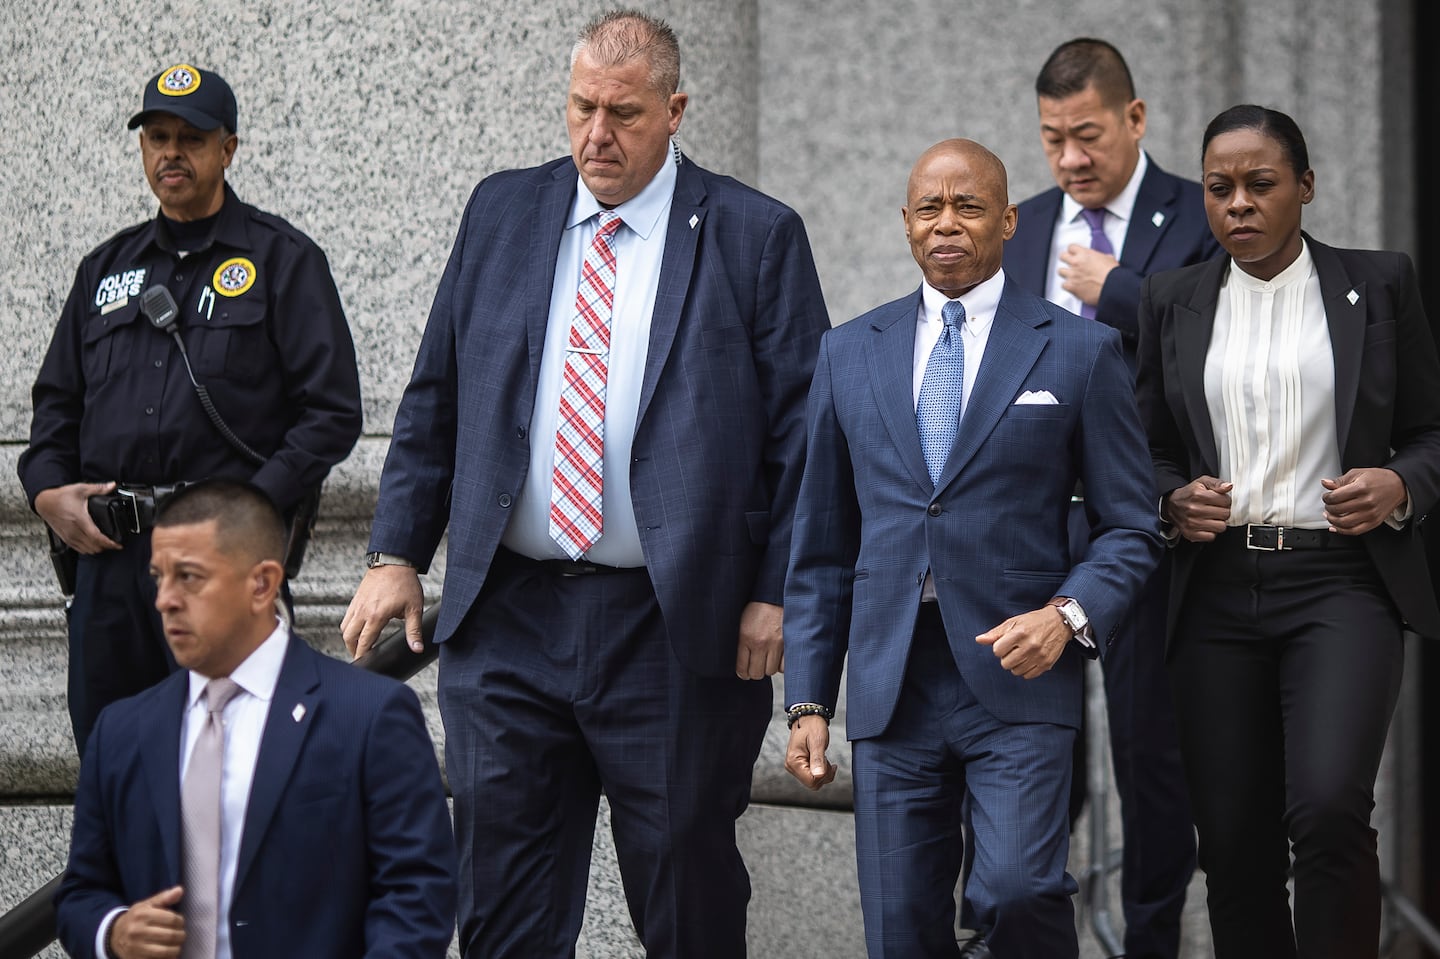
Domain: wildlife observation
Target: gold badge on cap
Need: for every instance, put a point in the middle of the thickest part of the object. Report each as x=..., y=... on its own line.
x=180, y=80
x=234, y=276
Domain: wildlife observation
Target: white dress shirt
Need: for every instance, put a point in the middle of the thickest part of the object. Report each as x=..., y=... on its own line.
x=980, y=304
x=244, y=719
x=1072, y=228
x=1270, y=389
x=639, y=247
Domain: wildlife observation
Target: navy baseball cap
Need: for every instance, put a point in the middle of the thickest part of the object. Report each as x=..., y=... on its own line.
x=200, y=98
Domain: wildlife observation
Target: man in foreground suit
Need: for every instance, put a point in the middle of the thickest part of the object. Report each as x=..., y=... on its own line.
x=1091, y=124
x=301, y=815
x=930, y=542
x=609, y=403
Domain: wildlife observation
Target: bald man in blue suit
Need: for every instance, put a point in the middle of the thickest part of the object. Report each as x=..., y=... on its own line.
x=944, y=572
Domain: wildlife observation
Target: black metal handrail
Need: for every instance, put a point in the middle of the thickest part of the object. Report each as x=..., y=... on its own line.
x=29, y=927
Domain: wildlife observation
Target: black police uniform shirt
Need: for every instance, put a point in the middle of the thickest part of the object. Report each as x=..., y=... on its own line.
x=265, y=332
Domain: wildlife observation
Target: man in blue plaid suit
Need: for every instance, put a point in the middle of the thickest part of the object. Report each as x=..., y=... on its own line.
x=943, y=568
x=641, y=666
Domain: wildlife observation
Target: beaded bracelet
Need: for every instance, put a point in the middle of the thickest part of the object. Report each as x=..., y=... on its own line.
x=793, y=714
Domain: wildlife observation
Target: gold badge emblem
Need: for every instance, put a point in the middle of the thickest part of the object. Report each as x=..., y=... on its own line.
x=180, y=80
x=234, y=276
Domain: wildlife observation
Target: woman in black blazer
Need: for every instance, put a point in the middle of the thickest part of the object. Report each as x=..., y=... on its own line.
x=1292, y=396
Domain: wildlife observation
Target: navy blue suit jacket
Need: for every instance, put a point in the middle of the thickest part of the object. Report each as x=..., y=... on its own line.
x=346, y=850
x=1387, y=399
x=1168, y=230
x=870, y=522
x=720, y=433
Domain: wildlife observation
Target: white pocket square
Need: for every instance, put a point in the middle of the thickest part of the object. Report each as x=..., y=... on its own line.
x=1037, y=397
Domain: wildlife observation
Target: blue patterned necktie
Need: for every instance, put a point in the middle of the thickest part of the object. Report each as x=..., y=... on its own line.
x=938, y=411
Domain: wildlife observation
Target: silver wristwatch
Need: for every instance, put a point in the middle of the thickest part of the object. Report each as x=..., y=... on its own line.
x=1074, y=616
x=385, y=559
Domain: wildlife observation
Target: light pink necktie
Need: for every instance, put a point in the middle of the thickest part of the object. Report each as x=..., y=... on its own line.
x=576, y=494
x=200, y=822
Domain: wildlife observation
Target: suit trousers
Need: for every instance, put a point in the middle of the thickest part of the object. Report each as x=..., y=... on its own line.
x=911, y=785
x=117, y=644
x=1286, y=669
x=1158, y=838
x=557, y=687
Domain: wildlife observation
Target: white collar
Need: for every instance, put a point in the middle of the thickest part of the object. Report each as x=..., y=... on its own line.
x=642, y=212
x=980, y=302
x=1297, y=272
x=1122, y=207
x=260, y=671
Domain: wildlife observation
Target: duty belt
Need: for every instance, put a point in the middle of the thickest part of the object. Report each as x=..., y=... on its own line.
x=129, y=510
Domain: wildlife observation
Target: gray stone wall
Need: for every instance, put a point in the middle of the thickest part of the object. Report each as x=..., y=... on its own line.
x=852, y=92
x=365, y=124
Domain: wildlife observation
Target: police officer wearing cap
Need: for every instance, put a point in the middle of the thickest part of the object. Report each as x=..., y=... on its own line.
x=119, y=421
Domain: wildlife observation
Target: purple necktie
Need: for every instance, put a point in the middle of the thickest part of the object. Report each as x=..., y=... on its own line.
x=1100, y=243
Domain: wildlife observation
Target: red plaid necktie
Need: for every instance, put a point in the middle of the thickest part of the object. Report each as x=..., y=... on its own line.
x=576, y=493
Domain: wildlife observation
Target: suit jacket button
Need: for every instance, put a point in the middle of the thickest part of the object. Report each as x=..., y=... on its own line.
x=504, y=500
x=934, y=509
x=520, y=432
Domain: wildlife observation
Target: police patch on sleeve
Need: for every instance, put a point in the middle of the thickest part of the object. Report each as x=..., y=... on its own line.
x=116, y=288
x=234, y=276
x=180, y=80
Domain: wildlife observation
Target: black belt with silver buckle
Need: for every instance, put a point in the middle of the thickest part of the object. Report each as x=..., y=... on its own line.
x=128, y=511
x=562, y=567
x=1279, y=538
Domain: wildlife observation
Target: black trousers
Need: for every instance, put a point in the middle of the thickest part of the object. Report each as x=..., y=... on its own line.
x=117, y=644
x=1158, y=840
x=1286, y=669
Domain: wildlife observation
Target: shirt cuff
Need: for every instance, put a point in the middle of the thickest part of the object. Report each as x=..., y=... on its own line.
x=103, y=933
x=1169, y=530
x=1401, y=515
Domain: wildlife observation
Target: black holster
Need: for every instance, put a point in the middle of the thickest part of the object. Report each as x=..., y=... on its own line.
x=302, y=527
x=65, y=560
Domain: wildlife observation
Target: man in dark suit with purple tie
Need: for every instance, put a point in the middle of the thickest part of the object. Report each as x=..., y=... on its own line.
x=607, y=411
x=1113, y=218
